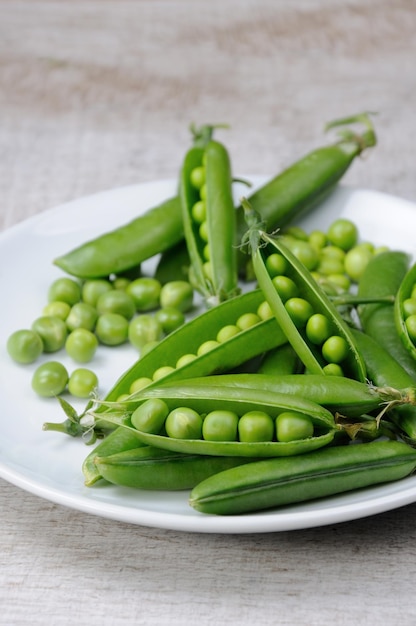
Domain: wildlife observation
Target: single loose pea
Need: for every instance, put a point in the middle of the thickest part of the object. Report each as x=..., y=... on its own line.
x=220, y=426
x=207, y=346
x=57, y=309
x=292, y=425
x=145, y=292
x=82, y=383
x=116, y=301
x=112, y=329
x=343, y=233
x=300, y=310
x=184, y=423
x=285, y=287
x=247, y=320
x=317, y=239
x=297, y=232
x=82, y=315
x=356, y=261
x=81, y=345
x=169, y=318
x=305, y=253
x=24, y=346
x=50, y=379
x=255, y=426
x=178, y=294
x=318, y=328
x=335, y=349
x=340, y=280
x=121, y=283
x=330, y=265
x=65, y=290
x=93, y=288
x=143, y=329
x=226, y=332
x=52, y=330
x=150, y=416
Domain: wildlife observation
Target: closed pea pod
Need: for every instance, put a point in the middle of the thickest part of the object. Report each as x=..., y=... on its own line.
x=404, y=310
x=272, y=483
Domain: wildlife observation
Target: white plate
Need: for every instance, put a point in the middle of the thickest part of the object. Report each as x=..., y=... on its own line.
x=49, y=464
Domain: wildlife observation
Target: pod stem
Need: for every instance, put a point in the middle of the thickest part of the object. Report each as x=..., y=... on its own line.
x=366, y=139
x=202, y=135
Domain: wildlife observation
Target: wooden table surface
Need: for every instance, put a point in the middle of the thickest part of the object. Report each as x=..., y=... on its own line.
x=99, y=94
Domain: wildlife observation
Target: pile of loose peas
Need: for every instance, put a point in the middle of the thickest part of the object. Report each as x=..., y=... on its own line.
x=79, y=316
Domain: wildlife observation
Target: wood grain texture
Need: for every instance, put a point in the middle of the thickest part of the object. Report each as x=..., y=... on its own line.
x=99, y=94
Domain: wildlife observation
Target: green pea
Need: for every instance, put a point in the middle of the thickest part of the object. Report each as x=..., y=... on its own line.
x=317, y=239
x=50, y=379
x=24, y=346
x=178, y=294
x=148, y=347
x=292, y=425
x=199, y=211
x=207, y=346
x=150, y=416
x=143, y=329
x=163, y=371
x=318, y=328
x=121, y=283
x=220, y=425
x=184, y=423
x=333, y=369
x=226, y=332
x=185, y=359
x=197, y=177
x=116, y=301
x=145, y=292
x=169, y=318
x=203, y=231
x=139, y=384
x=112, y=329
x=82, y=315
x=411, y=326
x=335, y=349
x=297, y=232
x=57, y=309
x=264, y=311
x=330, y=265
x=343, y=233
x=340, y=280
x=203, y=192
x=300, y=310
x=52, y=331
x=276, y=264
x=255, y=426
x=285, y=287
x=81, y=345
x=247, y=320
x=409, y=307
x=93, y=288
x=65, y=290
x=82, y=383
x=356, y=260
x=305, y=253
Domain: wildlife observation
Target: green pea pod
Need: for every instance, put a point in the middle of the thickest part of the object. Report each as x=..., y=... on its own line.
x=273, y=483
x=383, y=276
x=385, y=371
x=301, y=187
x=127, y=246
x=346, y=396
x=121, y=439
x=312, y=293
x=280, y=361
x=188, y=338
x=156, y=469
x=404, y=294
x=213, y=256
x=240, y=401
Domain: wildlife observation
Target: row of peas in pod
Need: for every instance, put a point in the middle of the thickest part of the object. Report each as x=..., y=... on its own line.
x=80, y=316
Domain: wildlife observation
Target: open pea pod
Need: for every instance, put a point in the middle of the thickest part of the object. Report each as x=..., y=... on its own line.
x=188, y=339
x=239, y=401
x=209, y=220
x=404, y=309
x=317, y=354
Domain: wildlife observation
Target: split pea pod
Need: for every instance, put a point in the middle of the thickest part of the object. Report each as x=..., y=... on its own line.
x=220, y=421
x=346, y=396
x=405, y=312
x=383, y=276
x=156, y=469
x=209, y=221
x=273, y=483
x=311, y=322
x=217, y=340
